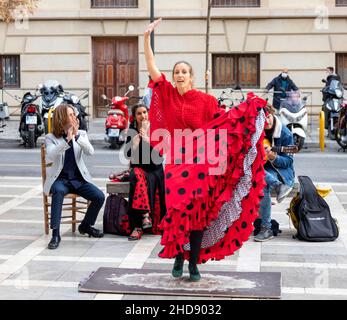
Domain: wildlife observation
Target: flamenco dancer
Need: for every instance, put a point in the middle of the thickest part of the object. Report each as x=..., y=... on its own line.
x=209, y=215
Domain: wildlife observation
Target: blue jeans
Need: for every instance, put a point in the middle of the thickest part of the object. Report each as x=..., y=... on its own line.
x=87, y=190
x=272, y=182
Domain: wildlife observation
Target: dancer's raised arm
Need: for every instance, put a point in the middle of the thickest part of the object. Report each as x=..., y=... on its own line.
x=153, y=70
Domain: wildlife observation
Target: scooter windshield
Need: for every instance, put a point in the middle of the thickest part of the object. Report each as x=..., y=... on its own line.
x=336, y=88
x=293, y=102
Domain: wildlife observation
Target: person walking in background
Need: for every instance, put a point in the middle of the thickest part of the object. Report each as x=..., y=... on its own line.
x=68, y=173
x=281, y=85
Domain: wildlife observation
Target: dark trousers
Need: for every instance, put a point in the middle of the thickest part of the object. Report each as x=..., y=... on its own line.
x=87, y=190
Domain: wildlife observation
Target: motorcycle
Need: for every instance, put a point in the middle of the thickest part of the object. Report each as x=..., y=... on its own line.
x=4, y=114
x=53, y=95
x=333, y=99
x=341, y=127
x=117, y=119
x=227, y=99
x=293, y=114
x=31, y=124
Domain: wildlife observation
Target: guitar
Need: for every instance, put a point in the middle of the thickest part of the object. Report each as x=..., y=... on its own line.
x=280, y=149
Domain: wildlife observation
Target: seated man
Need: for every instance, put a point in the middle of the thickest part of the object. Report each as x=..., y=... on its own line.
x=279, y=172
x=68, y=172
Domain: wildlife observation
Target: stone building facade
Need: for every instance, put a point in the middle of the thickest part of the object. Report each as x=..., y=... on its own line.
x=93, y=45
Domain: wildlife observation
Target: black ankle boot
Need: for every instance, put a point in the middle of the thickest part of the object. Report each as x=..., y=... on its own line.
x=177, y=270
x=92, y=232
x=54, y=243
x=194, y=274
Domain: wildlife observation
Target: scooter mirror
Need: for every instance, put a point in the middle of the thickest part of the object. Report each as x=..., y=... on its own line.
x=304, y=99
x=131, y=88
x=104, y=97
x=324, y=81
x=86, y=96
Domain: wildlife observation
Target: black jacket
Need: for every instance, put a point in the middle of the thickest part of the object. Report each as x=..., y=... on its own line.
x=277, y=84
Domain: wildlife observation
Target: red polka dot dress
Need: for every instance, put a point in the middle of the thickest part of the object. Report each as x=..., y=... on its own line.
x=214, y=179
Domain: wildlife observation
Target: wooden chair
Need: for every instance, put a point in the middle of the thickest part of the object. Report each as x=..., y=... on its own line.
x=75, y=206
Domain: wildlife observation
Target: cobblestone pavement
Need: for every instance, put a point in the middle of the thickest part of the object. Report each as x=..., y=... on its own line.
x=28, y=270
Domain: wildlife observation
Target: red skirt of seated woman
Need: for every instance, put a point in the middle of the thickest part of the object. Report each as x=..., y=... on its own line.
x=141, y=199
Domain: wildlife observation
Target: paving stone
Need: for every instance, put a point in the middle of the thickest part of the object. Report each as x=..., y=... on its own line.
x=5, y=199
x=286, y=296
x=17, y=214
x=311, y=258
x=24, y=229
x=68, y=248
x=82, y=270
x=297, y=249
x=13, y=293
x=14, y=191
x=11, y=247
x=65, y=294
x=111, y=249
x=42, y=270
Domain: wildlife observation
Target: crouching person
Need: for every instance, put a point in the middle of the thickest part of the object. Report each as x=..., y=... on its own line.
x=68, y=172
x=279, y=171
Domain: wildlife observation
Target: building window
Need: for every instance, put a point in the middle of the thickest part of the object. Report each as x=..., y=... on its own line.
x=114, y=3
x=235, y=3
x=341, y=3
x=230, y=70
x=341, y=67
x=10, y=71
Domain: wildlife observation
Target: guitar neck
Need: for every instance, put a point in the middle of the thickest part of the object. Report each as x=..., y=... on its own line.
x=286, y=149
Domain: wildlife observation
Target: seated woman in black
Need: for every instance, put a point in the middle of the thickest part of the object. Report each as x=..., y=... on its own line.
x=147, y=190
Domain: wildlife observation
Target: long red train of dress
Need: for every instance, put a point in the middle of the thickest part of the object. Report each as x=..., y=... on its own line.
x=224, y=205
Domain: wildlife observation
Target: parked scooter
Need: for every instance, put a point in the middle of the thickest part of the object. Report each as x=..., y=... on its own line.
x=333, y=99
x=31, y=124
x=117, y=119
x=293, y=115
x=4, y=114
x=53, y=95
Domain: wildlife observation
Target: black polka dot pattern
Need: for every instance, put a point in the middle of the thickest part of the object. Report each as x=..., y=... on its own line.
x=190, y=206
x=201, y=176
x=181, y=191
x=168, y=175
x=185, y=174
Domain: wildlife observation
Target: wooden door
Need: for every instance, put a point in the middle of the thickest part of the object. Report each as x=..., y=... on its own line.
x=115, y=67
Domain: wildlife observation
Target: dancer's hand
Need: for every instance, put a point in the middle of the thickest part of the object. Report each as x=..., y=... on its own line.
x=151, y=27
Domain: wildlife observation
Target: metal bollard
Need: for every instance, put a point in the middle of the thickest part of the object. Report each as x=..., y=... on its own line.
x=321, y=130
